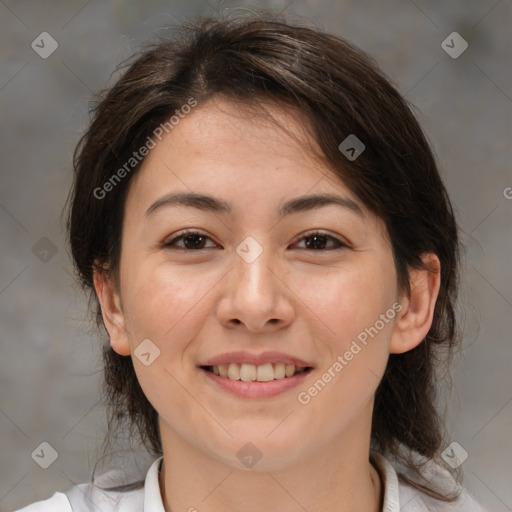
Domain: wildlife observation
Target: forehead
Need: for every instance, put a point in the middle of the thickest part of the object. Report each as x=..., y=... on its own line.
x=234, y=119
x=233, y=150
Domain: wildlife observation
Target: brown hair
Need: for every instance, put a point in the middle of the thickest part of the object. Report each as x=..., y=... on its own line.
x=340, y=91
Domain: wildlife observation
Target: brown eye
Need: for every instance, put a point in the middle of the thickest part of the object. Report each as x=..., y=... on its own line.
x=192, y=240
x=317, y=242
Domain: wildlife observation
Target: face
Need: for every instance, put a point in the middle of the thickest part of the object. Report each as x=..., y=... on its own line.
x=257, y=281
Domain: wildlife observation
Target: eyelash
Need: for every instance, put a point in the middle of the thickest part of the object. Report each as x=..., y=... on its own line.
x=171, y=244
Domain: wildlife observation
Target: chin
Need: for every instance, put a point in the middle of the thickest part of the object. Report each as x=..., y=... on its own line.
x=261, y=451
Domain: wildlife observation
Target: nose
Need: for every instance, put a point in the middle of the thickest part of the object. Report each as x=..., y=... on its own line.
x=255, y=295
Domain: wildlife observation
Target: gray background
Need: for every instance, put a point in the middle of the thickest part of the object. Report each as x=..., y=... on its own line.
x=50, y=366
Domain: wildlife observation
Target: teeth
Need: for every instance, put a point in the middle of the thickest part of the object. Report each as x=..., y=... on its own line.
x=248, y=372
x=234, y=371
x=265, y=372
x=261, y=373
x=289, y=370
x=279, y=371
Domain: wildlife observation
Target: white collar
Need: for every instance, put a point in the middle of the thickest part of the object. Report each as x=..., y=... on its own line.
x=153, y=497
x=398, y=496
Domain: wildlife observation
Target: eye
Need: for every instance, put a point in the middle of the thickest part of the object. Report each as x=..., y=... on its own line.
x=192, y=240
x=195, y=240
x=317, y=240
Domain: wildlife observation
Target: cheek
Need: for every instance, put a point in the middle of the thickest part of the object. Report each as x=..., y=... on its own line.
x=350, y=300
x=162, y=302
x=355, y=307
x=166, y=306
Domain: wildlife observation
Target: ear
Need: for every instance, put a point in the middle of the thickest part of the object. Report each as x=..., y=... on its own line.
x=111, y=310
x=417, y=311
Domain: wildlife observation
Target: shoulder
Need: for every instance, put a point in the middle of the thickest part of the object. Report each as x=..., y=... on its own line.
x=399, y=495
x=412, y=500
x=89, y=498
x=121, y=489
x=57, y=503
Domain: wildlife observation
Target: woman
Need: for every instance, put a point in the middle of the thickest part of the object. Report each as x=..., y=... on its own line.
x=274, y=256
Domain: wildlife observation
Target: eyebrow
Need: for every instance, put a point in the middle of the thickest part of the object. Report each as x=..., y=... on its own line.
x=215, y=205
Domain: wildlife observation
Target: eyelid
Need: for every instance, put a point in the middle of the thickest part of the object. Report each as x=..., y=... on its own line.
x=168, y=242
x=341, y=242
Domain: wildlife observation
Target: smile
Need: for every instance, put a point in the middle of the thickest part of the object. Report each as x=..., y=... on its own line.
x=270, y=380
x=247, y=372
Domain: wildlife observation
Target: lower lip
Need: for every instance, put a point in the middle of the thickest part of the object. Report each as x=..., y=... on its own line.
x=256, y=389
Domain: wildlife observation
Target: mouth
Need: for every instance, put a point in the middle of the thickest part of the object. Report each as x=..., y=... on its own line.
x=247, y=372
x=260, y=375
x=255, y=376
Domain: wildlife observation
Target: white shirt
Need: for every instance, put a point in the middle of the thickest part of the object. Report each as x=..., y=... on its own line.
x=398, y=496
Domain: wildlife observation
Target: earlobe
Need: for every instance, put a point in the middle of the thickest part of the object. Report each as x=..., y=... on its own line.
x=417, y=313
x=111, y=310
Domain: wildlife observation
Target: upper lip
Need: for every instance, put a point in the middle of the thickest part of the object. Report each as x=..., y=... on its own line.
x=242, y=356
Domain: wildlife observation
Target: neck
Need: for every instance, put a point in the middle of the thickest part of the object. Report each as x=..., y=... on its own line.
x=338, y=478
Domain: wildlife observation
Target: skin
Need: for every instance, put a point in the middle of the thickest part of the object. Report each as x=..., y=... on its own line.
x=311, y=303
